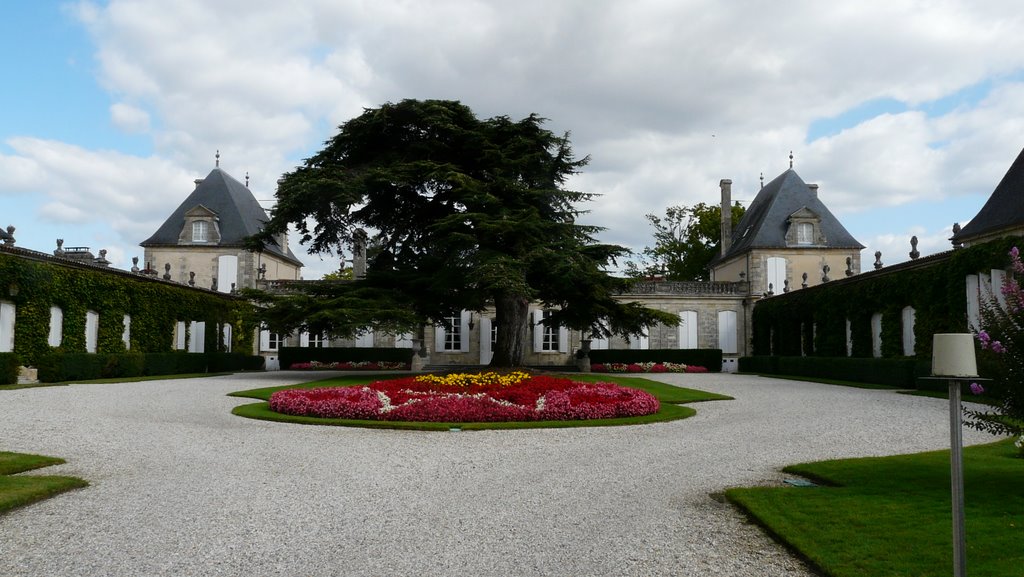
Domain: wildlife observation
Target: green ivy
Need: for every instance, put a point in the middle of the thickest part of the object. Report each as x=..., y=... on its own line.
x=154, y=308
x=935, y=290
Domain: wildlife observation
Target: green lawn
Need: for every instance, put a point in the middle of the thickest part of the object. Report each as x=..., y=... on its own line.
x=669, y=395
x=891, y=516
x=23, y=490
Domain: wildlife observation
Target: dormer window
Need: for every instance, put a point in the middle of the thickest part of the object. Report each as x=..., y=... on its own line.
x=804, y=233
x=200, y=227
x=805, y=229
x=200, y=231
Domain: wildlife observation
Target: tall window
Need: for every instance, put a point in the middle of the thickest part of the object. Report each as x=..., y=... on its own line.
x=56, y=327
x=126, y=334
x=7, y=311
x=727, y=332
x=92, y=327
x=688, y=329
x=274, y=341
x=200, y=229
x=805, y=233
x=549, y=340
x=317, y=340
x=775, y=279
x=453, y=333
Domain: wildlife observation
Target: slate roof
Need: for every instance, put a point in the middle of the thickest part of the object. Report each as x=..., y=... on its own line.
x=766, y=220
x=1004, y=209
x=239, y=214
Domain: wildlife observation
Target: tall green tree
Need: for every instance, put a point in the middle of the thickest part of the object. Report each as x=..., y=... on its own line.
x=468, y=213
x=686, y=240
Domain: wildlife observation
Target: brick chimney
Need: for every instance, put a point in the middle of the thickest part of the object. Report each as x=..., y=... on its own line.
x=726, y=186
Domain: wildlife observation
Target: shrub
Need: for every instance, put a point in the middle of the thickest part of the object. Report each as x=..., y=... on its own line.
x=708, y=358
x=9, y=364
x=295, y=355
x=903, y=372
x=253, y=363
x=175, y=363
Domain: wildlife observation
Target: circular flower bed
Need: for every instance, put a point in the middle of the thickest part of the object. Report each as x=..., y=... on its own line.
x=465, y=398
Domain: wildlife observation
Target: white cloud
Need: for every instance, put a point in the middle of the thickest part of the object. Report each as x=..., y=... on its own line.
x=667, y=97
x=129, y=118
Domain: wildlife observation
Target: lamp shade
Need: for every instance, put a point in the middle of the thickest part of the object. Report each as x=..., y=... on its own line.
x=953, y=355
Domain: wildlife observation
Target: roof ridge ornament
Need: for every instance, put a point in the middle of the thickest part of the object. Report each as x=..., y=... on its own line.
x=762, y=179
x=790, y=159
x=217, y=159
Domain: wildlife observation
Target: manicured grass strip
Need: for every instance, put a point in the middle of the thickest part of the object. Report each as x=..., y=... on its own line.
x=891, y=516
x=853, y=384
x=23, y=490
x=669, y=396
x=983, y=399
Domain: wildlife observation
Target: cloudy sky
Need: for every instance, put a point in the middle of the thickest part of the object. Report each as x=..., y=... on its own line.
x=906, y=113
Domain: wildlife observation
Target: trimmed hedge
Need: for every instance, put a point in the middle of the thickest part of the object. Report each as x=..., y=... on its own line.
x=233, y=362
x=176, y=363
x=60, y=367
x=288, y=356
x=892, y=372
x=9, y=364
x=710, y=359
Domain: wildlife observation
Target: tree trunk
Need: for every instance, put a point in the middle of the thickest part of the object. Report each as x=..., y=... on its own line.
x=512, y=317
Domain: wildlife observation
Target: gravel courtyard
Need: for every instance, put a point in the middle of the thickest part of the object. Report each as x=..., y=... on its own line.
x=179, y=486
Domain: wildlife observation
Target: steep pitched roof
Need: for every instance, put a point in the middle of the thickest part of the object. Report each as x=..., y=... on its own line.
x=766, y=221
x=239, y=214
x=1004, y=209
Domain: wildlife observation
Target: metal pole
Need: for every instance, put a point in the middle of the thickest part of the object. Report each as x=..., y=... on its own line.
x=956, y=465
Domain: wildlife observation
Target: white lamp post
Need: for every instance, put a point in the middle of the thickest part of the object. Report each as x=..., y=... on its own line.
x=953, y=360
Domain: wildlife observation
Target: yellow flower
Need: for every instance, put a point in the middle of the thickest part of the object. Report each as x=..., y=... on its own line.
x=465, y=380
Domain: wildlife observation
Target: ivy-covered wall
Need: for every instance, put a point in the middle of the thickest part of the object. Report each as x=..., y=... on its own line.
x=813, y=320
x=154, y=307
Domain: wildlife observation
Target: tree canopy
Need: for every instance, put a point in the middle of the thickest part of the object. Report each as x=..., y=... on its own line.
x=686, y=240
x=465, y=213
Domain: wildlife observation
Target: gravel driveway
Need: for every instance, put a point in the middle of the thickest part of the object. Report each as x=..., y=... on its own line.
x=179, y=486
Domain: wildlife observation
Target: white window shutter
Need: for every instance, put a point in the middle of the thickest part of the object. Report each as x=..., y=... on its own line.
x=264, y=340
x=563, y=340
x=303, y=339
x=998, y=276
x=226, y=335
x=538, y=331
x=126, y=334
x=439, y=334
x=7, y=316
x=464, y=332
x=56, y=327
x=92, y=326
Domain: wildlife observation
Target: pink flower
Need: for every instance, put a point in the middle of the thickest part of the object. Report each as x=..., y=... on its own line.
x=975, y=387
x=997, y=347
